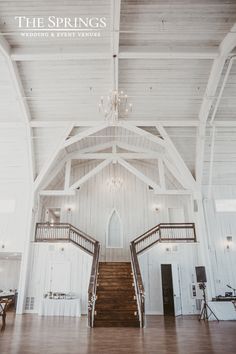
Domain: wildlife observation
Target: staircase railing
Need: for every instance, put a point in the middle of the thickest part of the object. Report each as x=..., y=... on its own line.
x=93, y=286
x=172, y=232
x=138, y=284
x=64, y=232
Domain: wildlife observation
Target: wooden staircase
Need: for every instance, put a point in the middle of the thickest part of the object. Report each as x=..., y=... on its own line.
x=116, y=305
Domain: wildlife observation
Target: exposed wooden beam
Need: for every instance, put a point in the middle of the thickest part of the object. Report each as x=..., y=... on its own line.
x=52, y=158
x=176, y=158
x=138, y=174
x=18, y=87
x=90, y=174
x=175, y=172
x=226, y=46
x=78, y=137
x=5, y=48
x=94, y=148
x=174, y=192
x=142, y=133
x=67, y=175
x=62, y=53
x=211, y=161
x=52, y=174
x=143, y=123
x=141, y=52
x=115, y=15
x=125, y=52
x=56, y=193
x=138, y=123
x=110, y=155
x=161, y=174
x=135, y=148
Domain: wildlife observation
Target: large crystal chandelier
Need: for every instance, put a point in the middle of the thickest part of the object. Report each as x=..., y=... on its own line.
x=115, y=106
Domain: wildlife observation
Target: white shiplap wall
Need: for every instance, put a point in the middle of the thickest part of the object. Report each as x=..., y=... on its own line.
x=186, y=257
x=43, y=256
x=220, y=225
x=9, y=273
x=91, y=208
x=134, y=202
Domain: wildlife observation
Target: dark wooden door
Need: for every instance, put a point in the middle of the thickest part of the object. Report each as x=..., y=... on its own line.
x=167, y=290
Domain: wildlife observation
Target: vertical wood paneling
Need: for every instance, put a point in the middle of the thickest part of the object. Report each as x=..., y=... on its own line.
x=93, y=203
x=9, y=274
x=220, y=225
x=43, y=256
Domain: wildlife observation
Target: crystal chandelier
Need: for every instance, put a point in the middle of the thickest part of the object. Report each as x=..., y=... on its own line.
x=115, y=106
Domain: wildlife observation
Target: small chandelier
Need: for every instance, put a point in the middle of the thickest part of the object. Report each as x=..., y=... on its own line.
x=115, y=106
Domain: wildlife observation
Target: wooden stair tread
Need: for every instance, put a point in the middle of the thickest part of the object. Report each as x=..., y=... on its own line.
x=115, y=305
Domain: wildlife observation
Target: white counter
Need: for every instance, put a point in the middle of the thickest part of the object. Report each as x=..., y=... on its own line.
x=60, y=307
x=224, y=310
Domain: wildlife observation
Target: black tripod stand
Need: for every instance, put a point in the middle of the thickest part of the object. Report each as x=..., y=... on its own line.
x=204, y=312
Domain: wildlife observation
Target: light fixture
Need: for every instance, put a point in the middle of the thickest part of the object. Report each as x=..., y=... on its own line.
x=115, y=182
x=229, y=240
x=156, y=208
x=115, y=106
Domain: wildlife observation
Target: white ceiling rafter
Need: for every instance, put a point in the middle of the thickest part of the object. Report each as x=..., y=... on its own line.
x=59, y=54
x=143, y=133
x=91, y=123
x=92, y=149
x=57, y=193
x=5, y=48
x=46, y=168
x=125, y=52
x=139, y=174
x=111, y=155
x=78, y=137
x=226, y=46
x=67, y=175
x=90, y=174
x=115, y=15
x=130, y=52
x=144, y=123
x=174, y=171
x=135, y=148
x=161, y=174
x=177, y=159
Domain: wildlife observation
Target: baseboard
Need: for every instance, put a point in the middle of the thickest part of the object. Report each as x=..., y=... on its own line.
x=153, y=313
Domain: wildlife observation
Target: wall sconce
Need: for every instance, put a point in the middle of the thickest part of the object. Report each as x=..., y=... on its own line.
x=157, y=208
x=229, y=240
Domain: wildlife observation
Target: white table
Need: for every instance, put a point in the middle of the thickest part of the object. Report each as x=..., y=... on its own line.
x=224, y=310
x=60, y=307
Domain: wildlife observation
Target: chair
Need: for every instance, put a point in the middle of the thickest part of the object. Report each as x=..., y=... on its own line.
x=4, y=305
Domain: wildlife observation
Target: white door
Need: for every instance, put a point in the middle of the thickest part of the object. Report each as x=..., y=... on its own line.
x=176, y=289
x=60, y=277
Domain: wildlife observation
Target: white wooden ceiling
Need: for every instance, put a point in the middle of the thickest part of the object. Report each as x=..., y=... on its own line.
x=165, y=54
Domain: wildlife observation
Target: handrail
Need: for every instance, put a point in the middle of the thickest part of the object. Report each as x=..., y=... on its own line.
x=65, y=232
x=93, y=285
x=167, y=232
x=138, y=284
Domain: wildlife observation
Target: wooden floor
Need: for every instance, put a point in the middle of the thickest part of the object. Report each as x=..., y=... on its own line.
x=31, y=334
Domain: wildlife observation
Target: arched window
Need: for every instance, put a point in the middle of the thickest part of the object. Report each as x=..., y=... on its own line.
x=114, y=231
